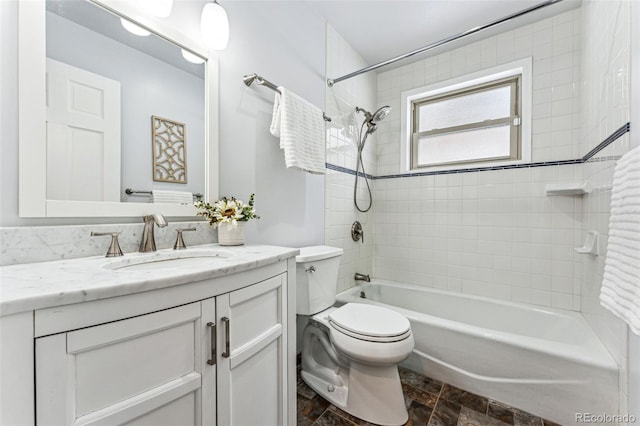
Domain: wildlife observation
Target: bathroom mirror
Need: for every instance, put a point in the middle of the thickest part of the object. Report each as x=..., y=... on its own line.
x=79, y=52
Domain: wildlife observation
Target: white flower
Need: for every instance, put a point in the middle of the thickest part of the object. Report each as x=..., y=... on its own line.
x=227, y=210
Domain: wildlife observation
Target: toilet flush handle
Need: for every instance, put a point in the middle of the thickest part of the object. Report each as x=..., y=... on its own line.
x=310, y=269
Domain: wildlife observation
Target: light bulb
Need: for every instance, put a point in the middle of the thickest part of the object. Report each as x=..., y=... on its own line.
x=159, y=8
x=214, y=25
x=133, y=28
x=194, y=59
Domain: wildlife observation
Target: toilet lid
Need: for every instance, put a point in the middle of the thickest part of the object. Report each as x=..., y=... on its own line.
x=369, y=320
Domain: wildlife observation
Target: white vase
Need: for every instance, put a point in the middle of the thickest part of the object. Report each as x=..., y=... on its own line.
x=230, y=236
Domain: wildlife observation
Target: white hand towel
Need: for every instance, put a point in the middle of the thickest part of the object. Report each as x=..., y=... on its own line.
x=300, y=127
x=173, y=197
x=620, y=292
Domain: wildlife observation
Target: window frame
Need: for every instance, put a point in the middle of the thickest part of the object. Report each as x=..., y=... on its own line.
x=522, y=67
x=513, y=120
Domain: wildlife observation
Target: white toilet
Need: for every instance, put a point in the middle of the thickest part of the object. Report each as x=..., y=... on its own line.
x=350, y=354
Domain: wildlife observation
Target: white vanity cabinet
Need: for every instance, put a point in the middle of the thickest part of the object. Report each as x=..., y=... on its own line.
x=211, y=352
x=141, y=370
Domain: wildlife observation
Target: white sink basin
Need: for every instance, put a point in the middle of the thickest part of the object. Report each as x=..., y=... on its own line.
x=169, y=260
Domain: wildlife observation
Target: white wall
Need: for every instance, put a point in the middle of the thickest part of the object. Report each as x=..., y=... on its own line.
x=490, y=233
x=284, y=42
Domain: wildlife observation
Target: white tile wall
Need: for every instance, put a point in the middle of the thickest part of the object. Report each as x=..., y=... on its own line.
x=342, y=136
x=605, y=69
x=605, y=108
x=554, y=44
x=490, y=233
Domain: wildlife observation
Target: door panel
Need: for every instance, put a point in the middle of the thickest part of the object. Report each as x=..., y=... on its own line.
x=256, y=402
x=118, y=372
x=252, y=385
x=83, y=135
x=179, y=412
x=263, y=298
x=109, y=374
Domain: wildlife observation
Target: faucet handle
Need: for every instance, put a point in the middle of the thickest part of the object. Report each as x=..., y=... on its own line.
x=357, y=232
x=180, y=245
x=114, y=248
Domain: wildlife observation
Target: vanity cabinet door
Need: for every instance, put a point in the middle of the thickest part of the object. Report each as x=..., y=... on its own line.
x=252, y=354
x=146, y=370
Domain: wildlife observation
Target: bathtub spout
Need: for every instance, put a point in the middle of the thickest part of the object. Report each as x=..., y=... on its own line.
x=362, y=277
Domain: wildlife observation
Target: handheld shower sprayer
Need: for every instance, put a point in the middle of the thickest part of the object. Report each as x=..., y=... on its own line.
x=371, y=121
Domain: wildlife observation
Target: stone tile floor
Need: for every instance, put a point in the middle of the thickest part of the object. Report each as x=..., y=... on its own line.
x=429, y=402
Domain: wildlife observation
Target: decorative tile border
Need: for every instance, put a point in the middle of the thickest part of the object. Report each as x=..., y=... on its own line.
x=613, y=137
x=348, y=171
x=482, y=169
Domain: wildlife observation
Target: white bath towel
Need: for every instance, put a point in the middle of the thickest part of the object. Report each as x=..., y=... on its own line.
x=173, y=197
x=300, y=127
x=620, y=292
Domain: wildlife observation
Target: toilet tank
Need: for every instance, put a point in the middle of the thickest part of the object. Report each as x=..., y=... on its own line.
x=317, y=278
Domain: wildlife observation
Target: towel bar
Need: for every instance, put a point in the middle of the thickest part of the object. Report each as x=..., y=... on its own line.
x=130, y=191
x=251, y=78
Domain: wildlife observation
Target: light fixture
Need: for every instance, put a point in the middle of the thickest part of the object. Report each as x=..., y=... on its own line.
x=214, y=25
x=133, y=28
x=159, y=8
x=194, y=59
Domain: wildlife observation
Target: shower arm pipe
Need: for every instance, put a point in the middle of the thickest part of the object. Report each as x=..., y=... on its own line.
x=255, y=78
x=332, y=81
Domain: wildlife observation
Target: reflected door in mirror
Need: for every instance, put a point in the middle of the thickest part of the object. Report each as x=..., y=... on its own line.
x=83, y=135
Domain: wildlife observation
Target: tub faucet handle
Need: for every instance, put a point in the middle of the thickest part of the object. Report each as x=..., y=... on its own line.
x=357, y=232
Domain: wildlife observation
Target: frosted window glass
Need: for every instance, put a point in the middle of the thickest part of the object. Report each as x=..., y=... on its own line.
x=478, y=144
x=471, y=108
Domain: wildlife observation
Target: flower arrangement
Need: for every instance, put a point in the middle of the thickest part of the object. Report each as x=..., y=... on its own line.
x=227, y=210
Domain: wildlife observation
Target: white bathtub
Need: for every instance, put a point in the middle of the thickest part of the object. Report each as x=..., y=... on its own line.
x=542, y=360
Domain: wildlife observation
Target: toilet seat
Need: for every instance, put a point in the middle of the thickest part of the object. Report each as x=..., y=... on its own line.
x=369, y=322
x=370, y=334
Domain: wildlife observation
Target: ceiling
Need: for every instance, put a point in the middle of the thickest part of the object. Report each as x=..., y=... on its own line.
x=383, y=29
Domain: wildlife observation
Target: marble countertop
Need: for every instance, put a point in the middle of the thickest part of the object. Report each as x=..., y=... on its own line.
x=40, y=285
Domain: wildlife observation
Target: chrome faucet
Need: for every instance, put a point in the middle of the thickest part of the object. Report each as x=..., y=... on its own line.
x=148, y=242
x=362, y=277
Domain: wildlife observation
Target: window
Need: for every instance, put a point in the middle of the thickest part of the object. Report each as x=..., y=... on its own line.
x=475, y=120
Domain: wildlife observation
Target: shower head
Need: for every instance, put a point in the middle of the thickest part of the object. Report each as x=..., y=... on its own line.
x=380, y=114
x=371, y=120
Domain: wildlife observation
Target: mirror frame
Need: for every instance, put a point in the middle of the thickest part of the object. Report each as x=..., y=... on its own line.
x=32, y=152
